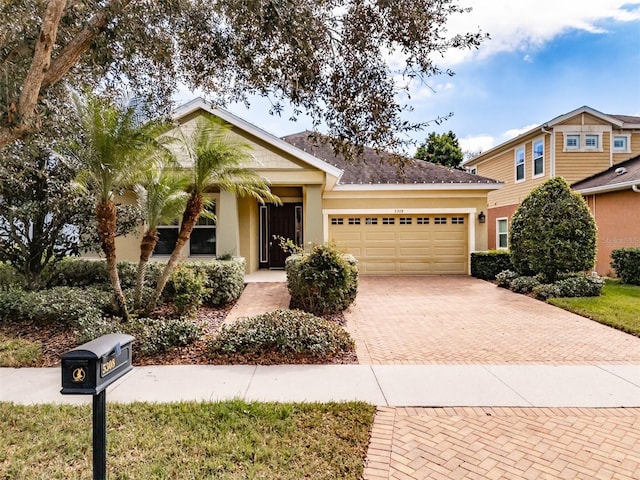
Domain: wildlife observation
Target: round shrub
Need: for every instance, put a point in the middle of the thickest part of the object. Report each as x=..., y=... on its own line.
x=524, y=284
x=504, y=278
x=323, y=281
x=580, y=285
x=283, y=332
x=152, y=335
x=552, y=232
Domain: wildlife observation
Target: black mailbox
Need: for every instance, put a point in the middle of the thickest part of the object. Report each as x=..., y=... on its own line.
x=93, y=366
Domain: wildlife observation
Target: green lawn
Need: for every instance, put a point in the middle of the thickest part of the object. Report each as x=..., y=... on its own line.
x=229, y=440
x=618, y=306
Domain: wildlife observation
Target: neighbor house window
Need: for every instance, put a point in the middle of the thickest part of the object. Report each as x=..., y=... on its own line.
x=621, y=143
x=572, y=142
x=538, y=158
x=592, y=142
x=502, y=233
x=520, y=164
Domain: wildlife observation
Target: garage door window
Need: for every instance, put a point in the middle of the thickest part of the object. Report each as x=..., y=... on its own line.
x=388, y=221
x=354, y=221
x=422, y=220
x=457, y=220
x=371, y=221
x=440, y=220
x=337, y=221
x=405, y=220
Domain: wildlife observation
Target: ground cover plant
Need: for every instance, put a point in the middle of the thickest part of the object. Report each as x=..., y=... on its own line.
x=618, y=306
x=280, y=337
x=228, y=440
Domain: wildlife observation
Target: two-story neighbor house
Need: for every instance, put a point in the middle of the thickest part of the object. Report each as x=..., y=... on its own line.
x=424, y=220
x=576, y=146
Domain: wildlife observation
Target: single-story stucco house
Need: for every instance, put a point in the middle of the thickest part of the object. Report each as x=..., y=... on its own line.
x=426, y=220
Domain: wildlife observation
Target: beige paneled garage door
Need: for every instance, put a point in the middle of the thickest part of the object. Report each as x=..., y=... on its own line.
x=405, y=244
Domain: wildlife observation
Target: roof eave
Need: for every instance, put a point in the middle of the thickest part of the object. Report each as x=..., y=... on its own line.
x=355, y=187
x=608, y=188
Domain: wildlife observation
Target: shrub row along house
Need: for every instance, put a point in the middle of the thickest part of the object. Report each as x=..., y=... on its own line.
x=598, y=154
x=425, y=220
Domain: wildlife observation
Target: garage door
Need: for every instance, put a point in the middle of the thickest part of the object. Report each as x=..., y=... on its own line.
x=405, y=244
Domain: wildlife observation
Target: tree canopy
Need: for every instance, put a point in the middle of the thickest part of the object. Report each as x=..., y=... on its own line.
x=443, y=149
x=328, y=58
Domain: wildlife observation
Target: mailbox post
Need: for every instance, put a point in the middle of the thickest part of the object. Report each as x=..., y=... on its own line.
x=88, y=370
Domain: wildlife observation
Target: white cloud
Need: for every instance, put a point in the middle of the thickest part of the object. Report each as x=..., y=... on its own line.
x=523, y=25
x=479, y=143
x=514, y=132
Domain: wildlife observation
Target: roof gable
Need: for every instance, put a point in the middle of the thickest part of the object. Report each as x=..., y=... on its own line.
x=199, y=104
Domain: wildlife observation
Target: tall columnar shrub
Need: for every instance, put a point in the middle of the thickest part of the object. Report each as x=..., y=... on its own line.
x=323, y=281
x=626, y=262
x=552, y=232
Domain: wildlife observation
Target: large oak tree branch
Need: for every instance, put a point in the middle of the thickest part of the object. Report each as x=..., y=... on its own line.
x=41, y=60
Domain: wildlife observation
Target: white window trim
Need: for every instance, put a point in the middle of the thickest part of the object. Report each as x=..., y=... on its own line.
x=627, y=148
x=524, y=164
x=582, y=142
x=498, y=220
x=567, y=148
x=533, y=158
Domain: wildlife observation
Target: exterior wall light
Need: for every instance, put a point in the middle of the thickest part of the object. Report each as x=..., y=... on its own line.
x=482, y=217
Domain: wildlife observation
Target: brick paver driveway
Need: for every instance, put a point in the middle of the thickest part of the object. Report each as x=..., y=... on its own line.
x=425, y=320
x=455, y=320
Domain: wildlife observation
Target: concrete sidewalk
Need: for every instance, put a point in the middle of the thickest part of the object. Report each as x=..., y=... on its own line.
x=383, y=385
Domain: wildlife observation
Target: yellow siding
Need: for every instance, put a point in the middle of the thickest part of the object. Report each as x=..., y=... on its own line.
x=574, y=166
x=502, y=167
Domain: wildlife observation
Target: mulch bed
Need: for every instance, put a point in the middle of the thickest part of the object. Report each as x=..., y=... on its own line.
x=56, y=339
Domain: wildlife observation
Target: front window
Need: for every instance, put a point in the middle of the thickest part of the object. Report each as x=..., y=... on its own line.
x=203, y=236
x=520, y=164
x=502, y=229
x=167, y=238
x=538, y=158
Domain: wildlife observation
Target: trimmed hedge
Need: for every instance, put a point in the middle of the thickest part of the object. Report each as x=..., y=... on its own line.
x=626, y=262
x=486, y=265
x=223, y=279
x=323, y=281
x=283, y=332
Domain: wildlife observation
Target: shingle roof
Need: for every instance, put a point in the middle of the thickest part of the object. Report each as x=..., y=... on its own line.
x=379, y=168
x=626, y=118
x=618, y=175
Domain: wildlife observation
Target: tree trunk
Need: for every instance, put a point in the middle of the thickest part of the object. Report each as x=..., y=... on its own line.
x=192, y=211
x=147, y=245
x=106, y=214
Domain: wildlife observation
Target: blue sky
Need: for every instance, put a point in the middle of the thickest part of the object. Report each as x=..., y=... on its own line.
x=544, y=59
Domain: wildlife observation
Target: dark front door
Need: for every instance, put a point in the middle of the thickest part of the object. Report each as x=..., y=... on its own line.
x=278, y=221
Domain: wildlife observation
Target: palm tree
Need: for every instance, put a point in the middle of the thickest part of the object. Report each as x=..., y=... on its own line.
x=115, y=149
x=162, y=197
x=215, y=161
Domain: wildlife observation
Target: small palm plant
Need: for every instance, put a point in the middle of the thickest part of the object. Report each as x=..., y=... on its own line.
x=215, y=160
x=162, y=197
x=115, y=149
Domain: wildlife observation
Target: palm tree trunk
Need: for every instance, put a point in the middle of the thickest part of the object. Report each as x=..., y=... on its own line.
x=192, y=211
x=149, y=241
x=106, y=215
